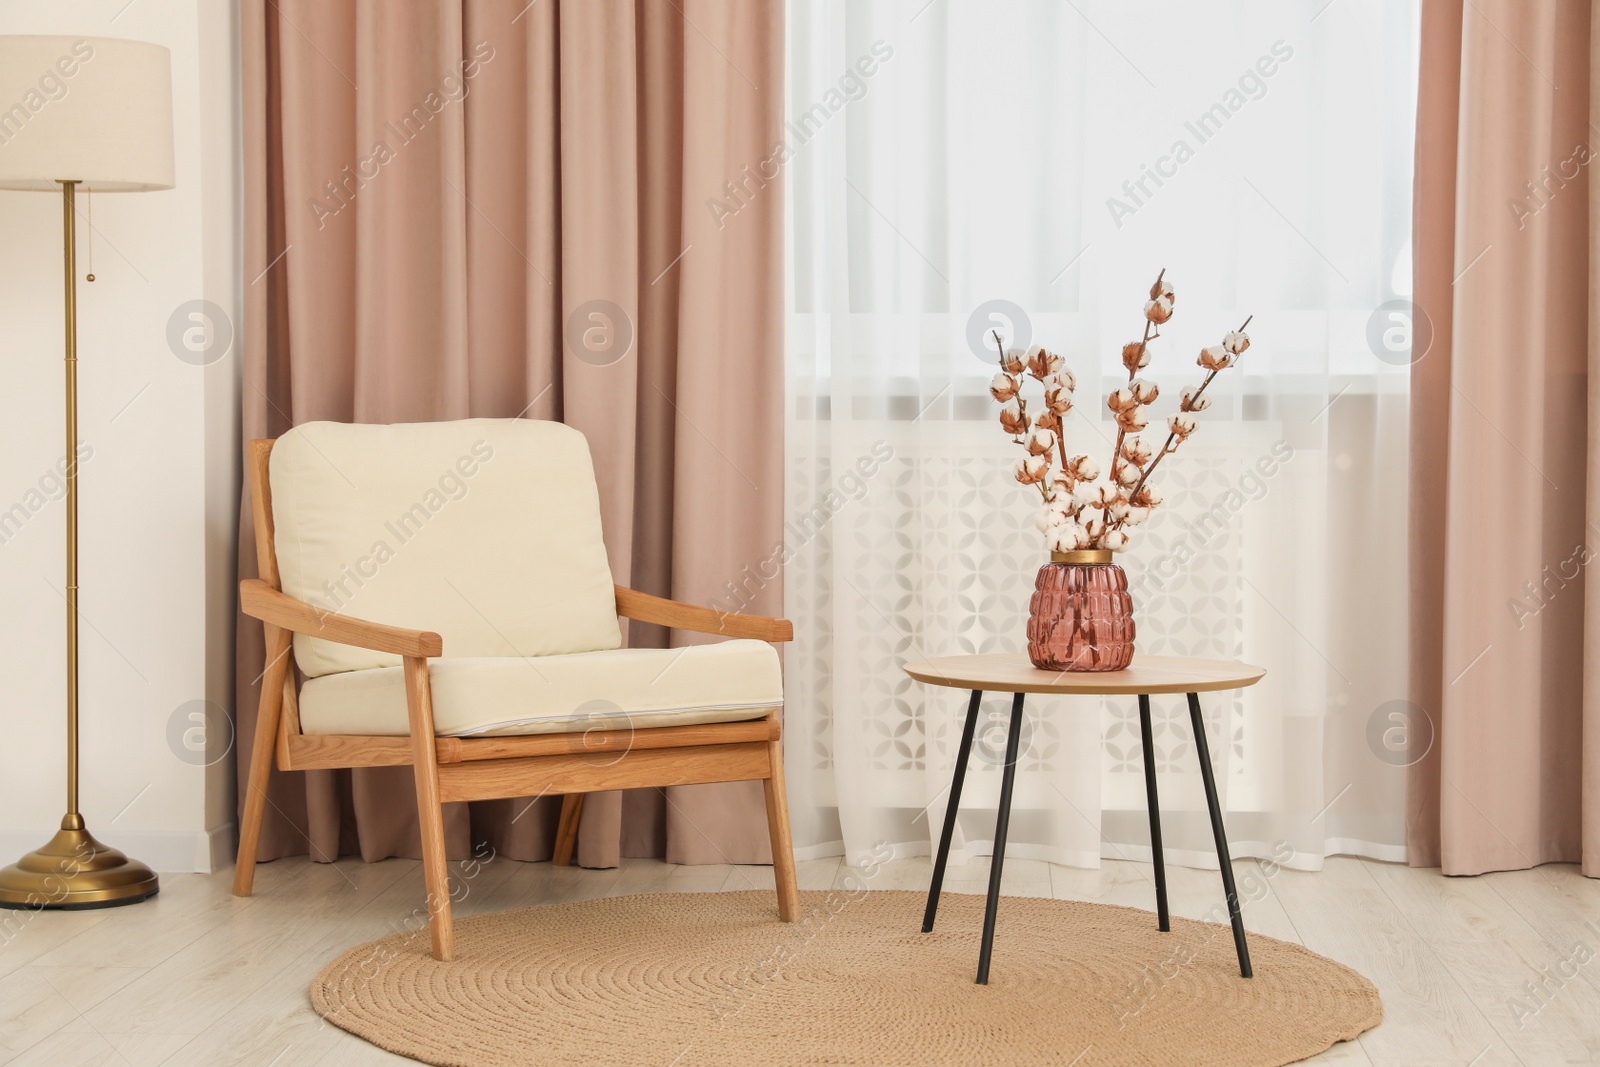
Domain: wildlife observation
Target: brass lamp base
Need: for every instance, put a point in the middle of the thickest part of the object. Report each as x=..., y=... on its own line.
x=75, y=872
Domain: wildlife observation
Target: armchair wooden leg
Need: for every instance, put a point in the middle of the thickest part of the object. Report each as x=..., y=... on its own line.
x=261, y=756
x=430, y=813
x=567, y=829
x=782, y=843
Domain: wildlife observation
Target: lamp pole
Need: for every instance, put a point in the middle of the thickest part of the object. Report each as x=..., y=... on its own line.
x=69, y=258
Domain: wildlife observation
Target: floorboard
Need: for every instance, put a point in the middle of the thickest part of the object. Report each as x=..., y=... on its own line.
x=1502, y=969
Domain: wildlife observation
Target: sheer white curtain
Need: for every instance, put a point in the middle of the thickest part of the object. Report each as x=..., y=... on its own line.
x=1055, y=155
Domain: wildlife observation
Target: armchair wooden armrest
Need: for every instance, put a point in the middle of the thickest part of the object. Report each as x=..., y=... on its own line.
x=259, y=600
x=632, y=604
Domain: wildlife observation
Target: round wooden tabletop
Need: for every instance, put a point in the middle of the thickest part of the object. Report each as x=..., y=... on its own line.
x=1010, y=672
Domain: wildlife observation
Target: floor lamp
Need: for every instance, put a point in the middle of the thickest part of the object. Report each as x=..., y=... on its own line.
x=96, y=113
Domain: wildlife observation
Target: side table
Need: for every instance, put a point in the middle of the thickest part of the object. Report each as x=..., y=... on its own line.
x=1011, y=672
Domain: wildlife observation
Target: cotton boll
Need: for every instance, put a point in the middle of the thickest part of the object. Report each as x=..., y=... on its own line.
x=1163, y=288
x=1064, y=538
x=1003, y=387
x=1043, y=363
x=1031, y=470
x=1215, y=358
x=1012, y=420
x=1143, y=390
x=1085, y=468
x=1159, y=310
x=1193, y=400
x=1236, y=342
x=1053, y=516
x=1115, y=540
x=1015, y=361
x=1148, y=497
x=1096, y=494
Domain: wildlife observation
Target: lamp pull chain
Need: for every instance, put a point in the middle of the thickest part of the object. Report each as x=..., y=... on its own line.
x=88, y=217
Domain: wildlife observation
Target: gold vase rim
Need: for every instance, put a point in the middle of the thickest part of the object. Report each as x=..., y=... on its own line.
x=1082, y=555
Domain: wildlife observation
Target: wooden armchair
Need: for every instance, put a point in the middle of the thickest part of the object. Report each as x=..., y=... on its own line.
x=503, y=549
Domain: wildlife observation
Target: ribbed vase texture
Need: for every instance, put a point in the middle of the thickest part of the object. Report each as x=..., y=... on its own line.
x=1080, y=618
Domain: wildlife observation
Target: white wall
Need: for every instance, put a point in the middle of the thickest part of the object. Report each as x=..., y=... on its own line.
x=158, y=497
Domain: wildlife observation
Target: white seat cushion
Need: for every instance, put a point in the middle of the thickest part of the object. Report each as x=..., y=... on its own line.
x=485, y=531
x=638, y=687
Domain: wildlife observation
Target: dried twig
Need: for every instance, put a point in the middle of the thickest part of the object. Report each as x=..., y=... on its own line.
x=1168, y=445
x=1070, y=518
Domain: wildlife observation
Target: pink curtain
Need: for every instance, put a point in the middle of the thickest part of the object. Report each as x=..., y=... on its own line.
x=1505, y=457
x=471, y=208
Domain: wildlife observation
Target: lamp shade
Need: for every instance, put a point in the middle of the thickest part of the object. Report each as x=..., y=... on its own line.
x=94, y=110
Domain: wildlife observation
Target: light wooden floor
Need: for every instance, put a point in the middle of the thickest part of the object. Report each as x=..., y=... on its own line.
x=198, y=977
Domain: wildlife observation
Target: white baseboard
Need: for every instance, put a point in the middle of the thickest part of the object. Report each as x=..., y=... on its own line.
x=222, y=843
x=163, y=851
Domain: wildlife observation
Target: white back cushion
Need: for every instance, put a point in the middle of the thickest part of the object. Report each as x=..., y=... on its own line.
x=486, y=531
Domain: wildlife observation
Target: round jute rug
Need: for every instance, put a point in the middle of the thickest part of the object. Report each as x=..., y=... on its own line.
x=690, y=979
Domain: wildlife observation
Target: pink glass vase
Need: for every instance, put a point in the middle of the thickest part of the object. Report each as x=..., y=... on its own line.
x=1081, y=616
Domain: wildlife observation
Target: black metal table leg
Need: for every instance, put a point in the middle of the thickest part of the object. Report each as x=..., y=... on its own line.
x=1001, y=823
x=951, y=810
x=1223, y=859
x=1154, y=804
